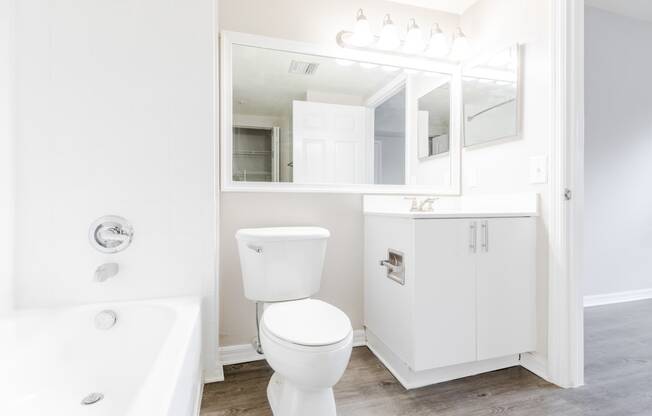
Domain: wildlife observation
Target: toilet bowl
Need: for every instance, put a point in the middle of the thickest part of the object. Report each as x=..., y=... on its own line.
x=308, y=345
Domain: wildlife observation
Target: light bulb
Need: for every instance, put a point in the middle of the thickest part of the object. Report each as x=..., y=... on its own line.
x=414, y=41
x=438, y=46
x=461, y=48
x=362, y=32
x=389, y=39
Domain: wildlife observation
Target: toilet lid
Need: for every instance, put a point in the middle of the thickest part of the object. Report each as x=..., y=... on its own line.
x=308, y=322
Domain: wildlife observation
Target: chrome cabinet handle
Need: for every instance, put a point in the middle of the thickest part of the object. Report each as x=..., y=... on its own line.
x=473, y=236
x=485, y=236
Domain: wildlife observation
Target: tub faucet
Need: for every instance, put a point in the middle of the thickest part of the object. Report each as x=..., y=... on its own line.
x=106, y=271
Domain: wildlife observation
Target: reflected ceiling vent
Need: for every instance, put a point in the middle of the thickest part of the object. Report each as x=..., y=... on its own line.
x=303, y=68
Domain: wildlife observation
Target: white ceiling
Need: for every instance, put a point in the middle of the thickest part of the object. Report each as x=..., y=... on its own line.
x=262, y=85
x=639, y=9
x=450, y=6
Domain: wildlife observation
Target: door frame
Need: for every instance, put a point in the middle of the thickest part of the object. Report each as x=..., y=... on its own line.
x=566, y=191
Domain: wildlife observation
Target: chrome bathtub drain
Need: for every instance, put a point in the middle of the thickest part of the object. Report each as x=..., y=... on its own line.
x=92, y=399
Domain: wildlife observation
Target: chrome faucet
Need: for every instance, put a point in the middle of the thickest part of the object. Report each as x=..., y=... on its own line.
x=106, y=271
x=426, y=204
x=423, y=206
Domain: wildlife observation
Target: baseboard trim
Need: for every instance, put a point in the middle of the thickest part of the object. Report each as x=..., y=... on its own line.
x=535, y=363
x=244, y=353
x=216, y=375
x=412, y=380
x=618, y=297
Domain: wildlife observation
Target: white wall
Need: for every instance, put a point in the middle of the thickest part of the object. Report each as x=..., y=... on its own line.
x=504, y=167
x=116, y=115
x=316, y=21
x=618, y=150
x=6, y=154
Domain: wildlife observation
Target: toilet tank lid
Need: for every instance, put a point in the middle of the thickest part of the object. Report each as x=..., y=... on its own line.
x=282, y=234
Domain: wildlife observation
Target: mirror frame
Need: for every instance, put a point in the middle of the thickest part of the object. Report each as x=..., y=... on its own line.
x=227, y=41
x=519, y=97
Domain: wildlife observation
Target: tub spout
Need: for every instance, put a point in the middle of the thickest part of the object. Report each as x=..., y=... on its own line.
x=106, y=271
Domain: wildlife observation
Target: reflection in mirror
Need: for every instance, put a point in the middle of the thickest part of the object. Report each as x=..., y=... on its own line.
x=317, y=120
x=389, y=140
x=490, y=94
x=434, y=121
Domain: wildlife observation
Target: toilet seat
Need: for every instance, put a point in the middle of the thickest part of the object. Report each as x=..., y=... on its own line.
x=307, y=323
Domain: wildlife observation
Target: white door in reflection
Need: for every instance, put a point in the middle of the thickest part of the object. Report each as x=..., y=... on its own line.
x=329, y=143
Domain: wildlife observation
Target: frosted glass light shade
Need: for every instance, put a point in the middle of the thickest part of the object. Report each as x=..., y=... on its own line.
x=439, y=46
x=389, y=37
x=362, y=35
x=461, y=48
x=414, y=40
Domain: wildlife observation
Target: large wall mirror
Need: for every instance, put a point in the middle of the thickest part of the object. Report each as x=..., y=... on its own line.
x=491, y=98
x=298, y=118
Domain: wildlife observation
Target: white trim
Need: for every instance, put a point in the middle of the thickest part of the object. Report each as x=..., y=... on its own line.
x=198, y=397
x=228, y=39
x=535, y=363
x=216, y=375
x=244, y=353
x=618, y=297
x=565, y=306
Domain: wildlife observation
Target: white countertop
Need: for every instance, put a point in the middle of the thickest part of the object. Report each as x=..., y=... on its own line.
x=480, y=206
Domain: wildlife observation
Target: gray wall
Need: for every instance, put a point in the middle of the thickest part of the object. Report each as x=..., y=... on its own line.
x=618, y=154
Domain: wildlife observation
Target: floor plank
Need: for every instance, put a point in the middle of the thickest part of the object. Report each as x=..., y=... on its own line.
x=618, y=381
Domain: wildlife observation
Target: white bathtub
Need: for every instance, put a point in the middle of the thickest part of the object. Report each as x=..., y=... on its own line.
x=148, y=364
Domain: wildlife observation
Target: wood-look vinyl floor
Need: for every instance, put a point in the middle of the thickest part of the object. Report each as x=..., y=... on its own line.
x=618, y=365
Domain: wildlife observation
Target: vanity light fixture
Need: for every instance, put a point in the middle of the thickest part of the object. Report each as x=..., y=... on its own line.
x=438, y=46
x=362, y=35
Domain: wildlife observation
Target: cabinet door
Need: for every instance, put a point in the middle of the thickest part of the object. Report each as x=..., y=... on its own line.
x=444, y=291
x=506, y=287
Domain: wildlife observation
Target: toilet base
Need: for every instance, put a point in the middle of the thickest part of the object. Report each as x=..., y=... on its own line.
x=286, y=399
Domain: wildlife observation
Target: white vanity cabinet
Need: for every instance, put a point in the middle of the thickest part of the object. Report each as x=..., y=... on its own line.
x=469, y=292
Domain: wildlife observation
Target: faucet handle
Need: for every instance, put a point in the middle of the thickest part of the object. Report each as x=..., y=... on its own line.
x=415, y=204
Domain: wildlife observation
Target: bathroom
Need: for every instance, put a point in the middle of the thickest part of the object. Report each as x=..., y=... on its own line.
x=182, y=234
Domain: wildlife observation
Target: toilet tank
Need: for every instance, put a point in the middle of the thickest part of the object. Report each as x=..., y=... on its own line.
x=283, y=263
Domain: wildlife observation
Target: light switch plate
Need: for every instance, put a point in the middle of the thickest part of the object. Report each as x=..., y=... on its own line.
x=539, y=169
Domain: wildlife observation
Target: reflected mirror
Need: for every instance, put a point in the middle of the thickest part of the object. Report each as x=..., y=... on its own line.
x=311, y=119
x=491, y=99
x=434, y=121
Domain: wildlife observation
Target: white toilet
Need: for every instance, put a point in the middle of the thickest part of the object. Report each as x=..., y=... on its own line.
x=306, y=341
